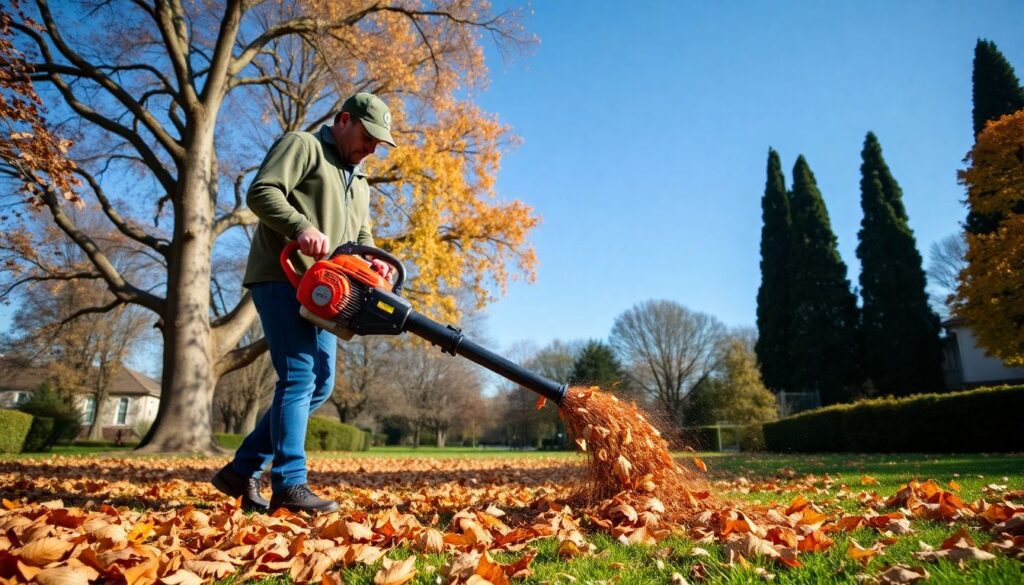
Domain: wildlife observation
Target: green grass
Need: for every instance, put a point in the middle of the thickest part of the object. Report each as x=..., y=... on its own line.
x=88, y=449
x=445, y=453
x=616, y=563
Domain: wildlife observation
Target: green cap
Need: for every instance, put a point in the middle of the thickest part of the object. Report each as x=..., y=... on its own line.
x=373, y=113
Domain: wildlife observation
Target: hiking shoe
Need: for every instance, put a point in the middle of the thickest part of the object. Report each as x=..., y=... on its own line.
x=231, y=483
x=299, y=498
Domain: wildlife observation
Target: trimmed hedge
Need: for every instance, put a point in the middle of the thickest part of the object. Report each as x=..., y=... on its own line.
x=324, y=434
x=40, y=435
x=14, y=428
x=986, y=419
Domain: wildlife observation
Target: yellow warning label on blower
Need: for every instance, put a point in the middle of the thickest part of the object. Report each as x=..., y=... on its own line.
x=385, y=307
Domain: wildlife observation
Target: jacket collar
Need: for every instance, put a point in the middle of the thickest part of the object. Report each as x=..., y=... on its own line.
x=326, y=136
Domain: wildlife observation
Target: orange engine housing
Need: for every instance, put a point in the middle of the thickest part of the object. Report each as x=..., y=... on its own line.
x=325, y=289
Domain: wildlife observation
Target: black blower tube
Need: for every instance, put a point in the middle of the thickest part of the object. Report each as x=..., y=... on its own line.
x=451, y=340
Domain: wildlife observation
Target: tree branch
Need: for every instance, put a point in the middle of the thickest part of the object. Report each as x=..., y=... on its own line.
x=241, y=357
x=85, y=111
x=171, y=23
x=162, y=246
x=115, y=282
x=104, y=81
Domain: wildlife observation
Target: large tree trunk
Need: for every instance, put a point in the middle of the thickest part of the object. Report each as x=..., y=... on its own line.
x=250, y=418
x=183, y=422
x=96, y=428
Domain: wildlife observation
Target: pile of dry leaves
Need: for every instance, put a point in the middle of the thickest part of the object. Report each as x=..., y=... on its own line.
x=135, y=521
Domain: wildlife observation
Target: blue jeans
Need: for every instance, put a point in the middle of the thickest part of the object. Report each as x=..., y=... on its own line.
x=303, y=357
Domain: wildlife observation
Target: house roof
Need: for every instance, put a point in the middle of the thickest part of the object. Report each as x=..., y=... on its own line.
x=127, y=382
x=953, y=321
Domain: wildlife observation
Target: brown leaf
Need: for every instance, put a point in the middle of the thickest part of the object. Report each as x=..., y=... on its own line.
x=749, y=545
x=860, y=554
x=62, y=576
x=432, y=541
x=491, y=571
x=396, y=572
x=461, y=565
x=902, y=574
x=215, y=569
x=622, y=469
x=44, y=551
x=182, y=577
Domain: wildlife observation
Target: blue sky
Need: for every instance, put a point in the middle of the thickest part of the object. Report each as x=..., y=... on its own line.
x=646, y=131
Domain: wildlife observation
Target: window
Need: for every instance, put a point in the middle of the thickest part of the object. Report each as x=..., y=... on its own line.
x=122, y=411
x=89, y=410
x=21, y=398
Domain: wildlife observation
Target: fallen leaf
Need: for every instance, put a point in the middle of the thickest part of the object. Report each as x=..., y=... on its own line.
x=182, y=577
x=61, y=576
x=902, y=574
x=396, y=572
x=44, y=551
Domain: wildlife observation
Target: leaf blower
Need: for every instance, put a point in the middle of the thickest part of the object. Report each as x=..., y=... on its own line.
x=344, y=295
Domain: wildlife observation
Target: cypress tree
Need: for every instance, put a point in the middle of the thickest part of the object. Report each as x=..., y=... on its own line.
x=597, y=365
x=902, y=352
x=996, y=92
x=773, y=316
x=824, y=345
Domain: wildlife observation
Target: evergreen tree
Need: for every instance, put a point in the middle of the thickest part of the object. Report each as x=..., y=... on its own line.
x=597, y=365
x=773, y=316
x=824, y=345
x=996, y=92
x=902, y=352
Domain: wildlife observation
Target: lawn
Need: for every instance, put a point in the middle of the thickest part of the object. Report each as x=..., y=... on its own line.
x=750, y=478
x=434, y=488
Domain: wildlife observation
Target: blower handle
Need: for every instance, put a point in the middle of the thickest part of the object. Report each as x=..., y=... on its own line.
x=286, y=263
x=352, y=248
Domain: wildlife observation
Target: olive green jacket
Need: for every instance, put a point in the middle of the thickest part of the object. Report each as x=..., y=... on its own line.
x=301, y=184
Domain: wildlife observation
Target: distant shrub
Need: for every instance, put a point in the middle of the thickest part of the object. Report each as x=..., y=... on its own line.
x=14, y=427
x=39, y=435
x=324, y=434
x=986, y=419
x=47, y=402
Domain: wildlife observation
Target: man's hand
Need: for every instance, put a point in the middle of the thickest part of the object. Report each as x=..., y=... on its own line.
x=312, y=242
x=381, y=267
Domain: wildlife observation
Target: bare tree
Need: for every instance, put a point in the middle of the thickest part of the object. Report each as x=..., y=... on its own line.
x=948, y=258
x=668, y=350
x=433, y=386
x=159, y=98
x=365, y=369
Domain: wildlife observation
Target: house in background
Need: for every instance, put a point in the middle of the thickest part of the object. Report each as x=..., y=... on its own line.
x=965, y=365
x=132, y=400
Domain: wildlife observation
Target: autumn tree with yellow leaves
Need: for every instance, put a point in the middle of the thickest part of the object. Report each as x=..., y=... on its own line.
x=172, y=105
x=991, y=293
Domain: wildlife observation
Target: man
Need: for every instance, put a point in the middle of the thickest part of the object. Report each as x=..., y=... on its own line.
x=310, y=188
